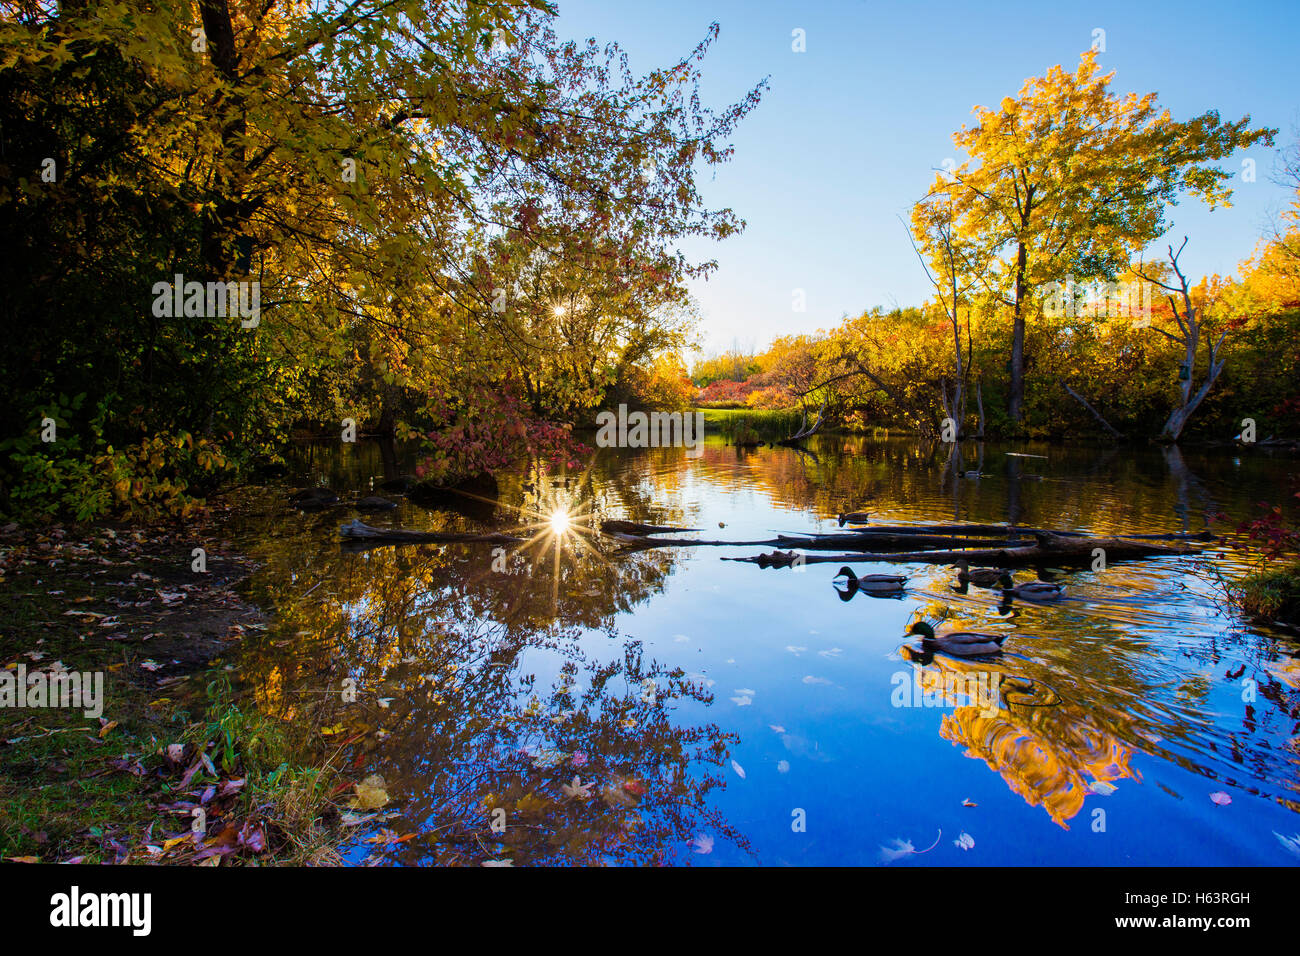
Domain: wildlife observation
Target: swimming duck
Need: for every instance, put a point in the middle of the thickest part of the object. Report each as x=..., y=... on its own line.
x=984, y=577
x=1033, y=590
x=872, y=583
x=958, y=643
x=853, y=517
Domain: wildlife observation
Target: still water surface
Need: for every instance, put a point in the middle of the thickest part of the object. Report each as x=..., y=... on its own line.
x=714, y=712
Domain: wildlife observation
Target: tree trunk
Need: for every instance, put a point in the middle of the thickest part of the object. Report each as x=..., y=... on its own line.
x=1016, y=401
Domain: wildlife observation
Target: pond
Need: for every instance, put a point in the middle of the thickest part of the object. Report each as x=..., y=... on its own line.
x=569, y=701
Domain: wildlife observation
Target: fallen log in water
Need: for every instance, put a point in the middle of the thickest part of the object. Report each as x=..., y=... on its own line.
x=1049, y=549
x=960, y=545
x=356, y=530
x=1001, y=530
x=643, y=541
x=868, y=542
x=635, y=527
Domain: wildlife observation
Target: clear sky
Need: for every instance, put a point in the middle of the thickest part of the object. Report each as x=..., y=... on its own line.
x=851, y=131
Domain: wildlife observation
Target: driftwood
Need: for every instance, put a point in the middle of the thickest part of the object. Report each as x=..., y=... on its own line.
x=644, y=541
x=969, y=541
x=1001, y=530
x=805, y=430
x=1048, y=549
x=868, y=542
x=635, y=527
x=356, y=530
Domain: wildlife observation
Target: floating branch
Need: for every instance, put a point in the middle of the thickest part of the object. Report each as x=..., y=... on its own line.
x=635, y=527
x=1002, y=530
x=866, y=542
x=1011, y=541
x=1049, y=549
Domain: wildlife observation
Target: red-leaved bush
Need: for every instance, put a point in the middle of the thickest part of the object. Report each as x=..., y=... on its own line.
x=487, y=429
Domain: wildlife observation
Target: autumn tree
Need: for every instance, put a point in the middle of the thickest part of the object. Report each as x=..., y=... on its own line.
x=1068, y=178
x=444, y=204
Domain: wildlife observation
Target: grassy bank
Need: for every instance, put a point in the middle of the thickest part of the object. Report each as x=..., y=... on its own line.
x=750, y=425
x=165, y=763
x=1271, y=595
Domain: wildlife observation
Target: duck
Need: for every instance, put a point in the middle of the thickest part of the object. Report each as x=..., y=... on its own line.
x=984, y=577
x=958, y=643
x=853, y=517
x=1033, y=590
x=872, y=583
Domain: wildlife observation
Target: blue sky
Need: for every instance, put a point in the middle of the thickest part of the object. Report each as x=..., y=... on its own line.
x=851, y=131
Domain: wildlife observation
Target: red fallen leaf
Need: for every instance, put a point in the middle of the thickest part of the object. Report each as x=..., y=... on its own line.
x=636, y=787
x=1221, y=798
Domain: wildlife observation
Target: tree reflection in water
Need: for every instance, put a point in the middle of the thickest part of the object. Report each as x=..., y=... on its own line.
x=507, y=673
x=415, y=662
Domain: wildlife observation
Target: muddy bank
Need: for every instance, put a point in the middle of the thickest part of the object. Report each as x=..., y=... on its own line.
x=155, y=770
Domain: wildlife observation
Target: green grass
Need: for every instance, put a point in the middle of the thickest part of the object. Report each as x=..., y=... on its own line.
x=1271, y=594
x=90, y=788
x=60, y=796
x=752, y=424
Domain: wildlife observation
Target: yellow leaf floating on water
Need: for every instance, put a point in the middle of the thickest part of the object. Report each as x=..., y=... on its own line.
x=371, y=793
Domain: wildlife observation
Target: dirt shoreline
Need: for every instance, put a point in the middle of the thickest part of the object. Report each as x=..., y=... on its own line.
x=137, y=605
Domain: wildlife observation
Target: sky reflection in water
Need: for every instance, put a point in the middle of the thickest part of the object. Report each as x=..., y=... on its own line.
x=713, y=712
